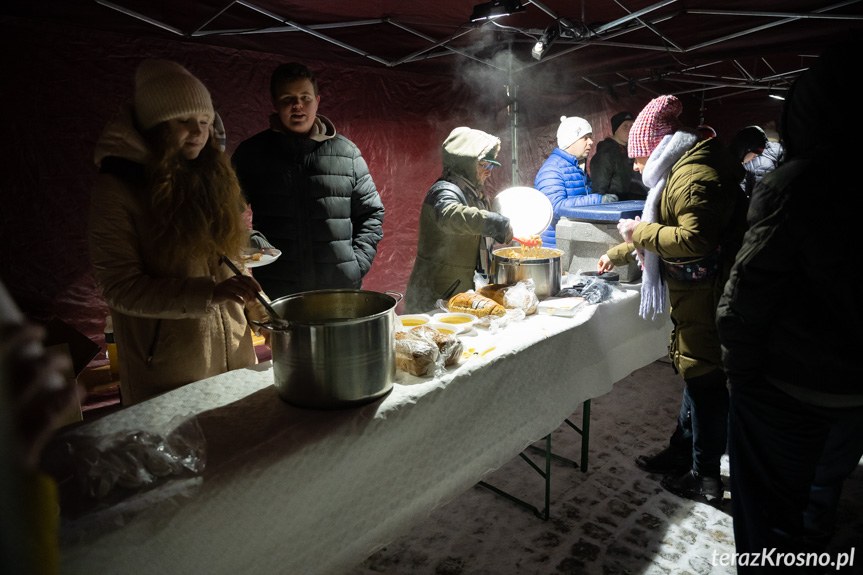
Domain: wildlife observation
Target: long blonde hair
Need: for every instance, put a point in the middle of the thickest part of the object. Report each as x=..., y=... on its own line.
x=196, y=205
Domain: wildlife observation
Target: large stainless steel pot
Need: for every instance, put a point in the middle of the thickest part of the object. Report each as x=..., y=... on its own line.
x=337, y=348
x=545, y=269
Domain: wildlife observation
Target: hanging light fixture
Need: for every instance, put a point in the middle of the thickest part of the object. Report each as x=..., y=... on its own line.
x=561, y=28
x=495, y=9
x=777, y=93
x=544, y=43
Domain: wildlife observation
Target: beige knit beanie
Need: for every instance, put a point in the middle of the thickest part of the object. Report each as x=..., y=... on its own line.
x=165, y=90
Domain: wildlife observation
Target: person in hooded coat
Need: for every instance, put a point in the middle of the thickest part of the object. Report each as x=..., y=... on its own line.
x=165, y=207
x=693, y=222
x=796, y=409
x=455, y=221
x=747, y=145
x=770, y=158
x=310, y=192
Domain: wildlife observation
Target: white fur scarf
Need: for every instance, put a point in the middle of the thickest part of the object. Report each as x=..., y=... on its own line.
x=664, y=156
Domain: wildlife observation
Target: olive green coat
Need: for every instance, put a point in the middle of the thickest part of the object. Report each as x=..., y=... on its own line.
x=452, y=224
x=701, y=207
x=447, y=251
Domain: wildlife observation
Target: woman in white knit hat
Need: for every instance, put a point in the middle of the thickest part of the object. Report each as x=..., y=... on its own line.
x=166, y=205
x=563, y=177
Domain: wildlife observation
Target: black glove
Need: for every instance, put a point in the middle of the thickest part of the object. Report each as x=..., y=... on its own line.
x=497, y=227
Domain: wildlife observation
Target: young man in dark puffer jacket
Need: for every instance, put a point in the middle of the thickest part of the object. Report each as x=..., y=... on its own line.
x=310, y=192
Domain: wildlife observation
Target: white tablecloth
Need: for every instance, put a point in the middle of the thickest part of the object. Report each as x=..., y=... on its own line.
x=288, y=490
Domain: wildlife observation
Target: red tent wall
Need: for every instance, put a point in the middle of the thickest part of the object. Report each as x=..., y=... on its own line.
x=62, y=85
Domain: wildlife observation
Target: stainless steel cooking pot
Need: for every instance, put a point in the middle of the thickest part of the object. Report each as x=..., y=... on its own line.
x=334, y=348
x=509, y=267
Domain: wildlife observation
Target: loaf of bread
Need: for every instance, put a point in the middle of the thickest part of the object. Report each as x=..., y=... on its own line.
x=449, y=345
x=416, y=355
x=475, y=304
x=495, y=292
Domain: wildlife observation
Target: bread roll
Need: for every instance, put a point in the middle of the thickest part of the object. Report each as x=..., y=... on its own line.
x=475, y=304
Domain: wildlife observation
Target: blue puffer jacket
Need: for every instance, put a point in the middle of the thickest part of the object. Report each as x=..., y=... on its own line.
x=566, y=185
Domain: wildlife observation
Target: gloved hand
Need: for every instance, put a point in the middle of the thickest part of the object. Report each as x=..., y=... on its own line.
x=257, y=240
x=608, y=198
x=626, y=227
x=497, y=227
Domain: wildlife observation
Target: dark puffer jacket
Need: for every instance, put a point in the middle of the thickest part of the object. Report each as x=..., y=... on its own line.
x=611, y=172
x=566, y=185
x=785, y=315
x=315, y=201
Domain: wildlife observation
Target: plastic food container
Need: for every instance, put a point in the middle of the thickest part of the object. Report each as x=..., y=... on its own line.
x=412, y=320
x=465, y=320
x=611, y=212
x=447, y=328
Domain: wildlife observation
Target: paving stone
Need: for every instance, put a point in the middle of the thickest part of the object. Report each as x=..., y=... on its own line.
x=616, y=519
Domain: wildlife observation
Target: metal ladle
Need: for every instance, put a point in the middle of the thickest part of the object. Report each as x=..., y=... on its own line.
x=277, y=319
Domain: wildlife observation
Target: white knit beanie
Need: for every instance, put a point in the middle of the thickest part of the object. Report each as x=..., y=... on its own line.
x=165, y=90
x=570, y=130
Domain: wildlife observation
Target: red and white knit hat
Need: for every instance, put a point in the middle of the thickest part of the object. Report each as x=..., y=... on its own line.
x=654, y=122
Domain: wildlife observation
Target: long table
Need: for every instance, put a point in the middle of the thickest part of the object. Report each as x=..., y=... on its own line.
x=289, y=490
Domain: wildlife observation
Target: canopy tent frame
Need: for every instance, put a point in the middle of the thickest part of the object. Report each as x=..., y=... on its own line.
x=604, y=34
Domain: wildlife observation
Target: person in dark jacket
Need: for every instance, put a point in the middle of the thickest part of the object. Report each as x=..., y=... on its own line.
x=456, y=223
x=693, y=222
x=747, y=145
x=611, y=168
x=786, y=327
x=562, y=177
x=310, y=192
x=770, y=158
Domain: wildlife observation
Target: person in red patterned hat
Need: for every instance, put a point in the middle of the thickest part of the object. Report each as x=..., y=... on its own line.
x=692, y=226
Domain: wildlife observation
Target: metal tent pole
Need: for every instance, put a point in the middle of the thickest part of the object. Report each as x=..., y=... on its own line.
x=512, y=94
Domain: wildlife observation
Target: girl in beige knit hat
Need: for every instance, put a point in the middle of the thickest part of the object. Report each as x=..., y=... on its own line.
x=165, y=207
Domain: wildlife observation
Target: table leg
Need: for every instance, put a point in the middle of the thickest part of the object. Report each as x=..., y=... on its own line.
x=544, y=514
x=584, y=431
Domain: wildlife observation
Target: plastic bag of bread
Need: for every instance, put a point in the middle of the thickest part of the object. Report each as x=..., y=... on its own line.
x=449, y=345
x=476, y=304
x=415, y=354
x=521, y=295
